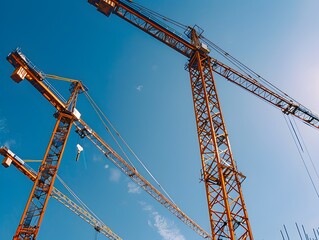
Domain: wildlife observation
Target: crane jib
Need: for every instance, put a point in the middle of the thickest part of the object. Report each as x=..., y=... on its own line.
x=285, y=103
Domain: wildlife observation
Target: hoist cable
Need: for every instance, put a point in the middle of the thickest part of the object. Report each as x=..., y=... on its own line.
x=83, y=205
x=96, y=108
x=295, y=134
x=153, y=13
x=290, y=126
x=245, y=68
x=146, y=169
x=54, y=90
x=101, y=115
x=225, y=54
x=306, y=149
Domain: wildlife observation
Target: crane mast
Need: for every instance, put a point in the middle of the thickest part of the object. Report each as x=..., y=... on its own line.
x=227, y=211
x=32, y=216
x=10, y=157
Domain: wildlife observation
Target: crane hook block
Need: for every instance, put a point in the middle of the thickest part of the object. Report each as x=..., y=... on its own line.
x=80, y=149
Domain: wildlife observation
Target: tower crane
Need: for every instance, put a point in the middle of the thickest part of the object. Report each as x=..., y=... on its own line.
x=25, y=69
x=12, y=158
x=34, y=211
x=227, y=210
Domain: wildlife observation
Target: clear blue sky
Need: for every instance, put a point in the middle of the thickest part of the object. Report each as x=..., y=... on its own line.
x=143, y=88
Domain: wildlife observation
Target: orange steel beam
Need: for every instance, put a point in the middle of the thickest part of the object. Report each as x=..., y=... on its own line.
x=34, y=211
x=285, y=103
x=146, y=23
x=226, y=207
x=10, y=157
x=25, y=69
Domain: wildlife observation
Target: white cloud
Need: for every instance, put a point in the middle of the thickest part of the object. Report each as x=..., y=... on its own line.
x=115, y=175
x=97, y=157
x=140, y=88
x=3, y=125
x=9, y=143
x=165, y=228
x=133, y=188
x=149, y=223
x=154, y=67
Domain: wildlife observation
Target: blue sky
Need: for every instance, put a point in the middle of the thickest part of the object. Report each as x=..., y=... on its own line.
x=143, y=88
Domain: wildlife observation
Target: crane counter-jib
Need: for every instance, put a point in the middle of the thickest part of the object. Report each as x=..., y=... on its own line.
x=147, y=23
x=25, y=69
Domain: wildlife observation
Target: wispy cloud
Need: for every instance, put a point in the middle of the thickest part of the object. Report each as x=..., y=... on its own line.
x=154, y=67
x=97, y=157
x=9, y=143
x=165, y=228
x=140, y=88
x=115, y=175
x=149, y=223
x=3, y=125
x=133, y=188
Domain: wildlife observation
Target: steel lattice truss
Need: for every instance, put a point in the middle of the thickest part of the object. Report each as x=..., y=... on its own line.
x=33, y=213
x=85, y=215
x=85, y=131
x=286, y=104
x=222, y=180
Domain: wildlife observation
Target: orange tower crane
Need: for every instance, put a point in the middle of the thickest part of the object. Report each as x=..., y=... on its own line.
x=25, y=69
x=12, y=158
x=33, y=214
x=226, y=206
